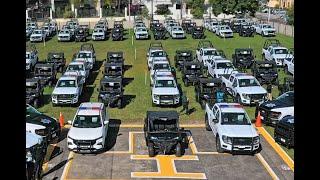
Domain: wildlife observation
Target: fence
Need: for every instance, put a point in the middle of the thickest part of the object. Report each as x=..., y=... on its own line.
x=284, y=29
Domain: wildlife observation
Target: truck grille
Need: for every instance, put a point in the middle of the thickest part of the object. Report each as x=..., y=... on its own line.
x=84, y=142
x=64, y=96
x=166, y=97
x=281, y=130
x=256, y=96
x=242, y=141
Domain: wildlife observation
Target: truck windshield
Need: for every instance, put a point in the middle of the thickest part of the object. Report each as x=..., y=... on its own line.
x=248, y=82
x=87, y=122
x=211, y=52
x=165, y=83
x=75, y=67
x=281, y=51
x=287, y=98
x=84, y=55
x=66, y=83
x=158, y=54
x=234, y=119
x=224, y=65
x=161, y=66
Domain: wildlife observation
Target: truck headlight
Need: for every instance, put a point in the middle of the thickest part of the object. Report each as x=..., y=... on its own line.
x=245, y=96
x=153, y=138
x=177, y=96
x=226, y=139
x=256, y=140
x=28, y=156
x=275, y=115
x=156, y=97
x=41, y=132
x=54, y=96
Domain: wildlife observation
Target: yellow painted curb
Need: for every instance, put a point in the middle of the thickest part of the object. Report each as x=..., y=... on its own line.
x=286, y=158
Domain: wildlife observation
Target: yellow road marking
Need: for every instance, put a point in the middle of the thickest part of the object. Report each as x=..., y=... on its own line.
x=166, y=167
x=195, y=151
x=131, y=144
x=47, y=157
x=266, y=165
x=276, y=147
x=67, y=166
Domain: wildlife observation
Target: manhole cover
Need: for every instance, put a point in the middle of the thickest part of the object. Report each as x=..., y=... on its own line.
x=285, y=167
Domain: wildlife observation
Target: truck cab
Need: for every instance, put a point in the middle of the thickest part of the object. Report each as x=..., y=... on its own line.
x=232, y=128
x=89, y=128
x=220, y=67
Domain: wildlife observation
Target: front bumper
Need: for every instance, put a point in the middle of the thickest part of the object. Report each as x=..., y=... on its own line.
x=142, y=36
x=63, y=38
x=226, y=35
x=172, y=101
x=96, y=38
x=251, y=101
x=85, y=147
x=178, y=36
x=36, y=39
x=65, y=101
x=239, y=148
x=266, y=119
x=269, y=33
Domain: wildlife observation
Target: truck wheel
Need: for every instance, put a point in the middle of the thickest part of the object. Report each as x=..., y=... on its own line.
x=203, y=104
x=238, y=99
x=151, y=150
x=286, y=71
x=185, y=83
x=36, y=103
x=119, y=104
x=218, y=145
x=208, y=128
x=178, y=150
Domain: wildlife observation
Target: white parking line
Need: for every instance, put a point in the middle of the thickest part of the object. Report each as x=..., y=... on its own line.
x=268, y=168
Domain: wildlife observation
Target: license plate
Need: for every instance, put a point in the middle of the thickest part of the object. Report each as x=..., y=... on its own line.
x=282, y=140
x=241, y=147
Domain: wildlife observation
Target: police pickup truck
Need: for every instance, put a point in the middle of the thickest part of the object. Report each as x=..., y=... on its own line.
x=245, y=88
x=67, y=91
x=273, y=111
x=165, y=91
x=277, y=54
x=232, y=128
x=89, y=128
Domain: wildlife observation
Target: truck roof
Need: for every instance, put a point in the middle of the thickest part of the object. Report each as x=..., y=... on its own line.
x=230, y=107
x=68, y=77
x=90, y=108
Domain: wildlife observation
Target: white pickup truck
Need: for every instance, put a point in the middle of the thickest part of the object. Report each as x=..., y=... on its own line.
x=245, y=88
x=265, y=30
x=220, y=67
x=207, y=54
x=232, y=128
x=277, y=54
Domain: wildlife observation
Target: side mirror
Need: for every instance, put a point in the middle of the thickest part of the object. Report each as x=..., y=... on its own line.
x=215, y=120
x=105, y=122
x=69, y=122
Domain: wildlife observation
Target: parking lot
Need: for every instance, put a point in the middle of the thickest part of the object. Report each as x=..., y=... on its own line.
x=127, y=157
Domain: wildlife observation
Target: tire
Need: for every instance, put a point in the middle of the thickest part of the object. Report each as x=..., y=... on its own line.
x=286, y=71
x=218, y=145
x=208, y=128
x=36, y=103
x=119, y=103
x=185, y=83
x=178, y=150
x=151, y=150
x=238, y=99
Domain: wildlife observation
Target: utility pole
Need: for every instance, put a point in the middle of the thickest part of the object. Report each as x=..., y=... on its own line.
x=151, y=10
x=181, y=9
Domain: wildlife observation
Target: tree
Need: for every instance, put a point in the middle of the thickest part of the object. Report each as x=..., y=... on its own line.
x=162, y=9
x=234, y=6
x=197, y=8
x=290, y=13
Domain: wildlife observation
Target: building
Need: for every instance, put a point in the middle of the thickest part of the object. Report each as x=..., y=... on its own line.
x=281, y=3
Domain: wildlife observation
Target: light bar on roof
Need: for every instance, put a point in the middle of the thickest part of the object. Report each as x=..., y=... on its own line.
x=230, y=106
x=90, y=108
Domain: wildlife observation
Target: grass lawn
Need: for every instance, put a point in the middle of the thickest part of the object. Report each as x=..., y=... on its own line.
x=138, y=91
